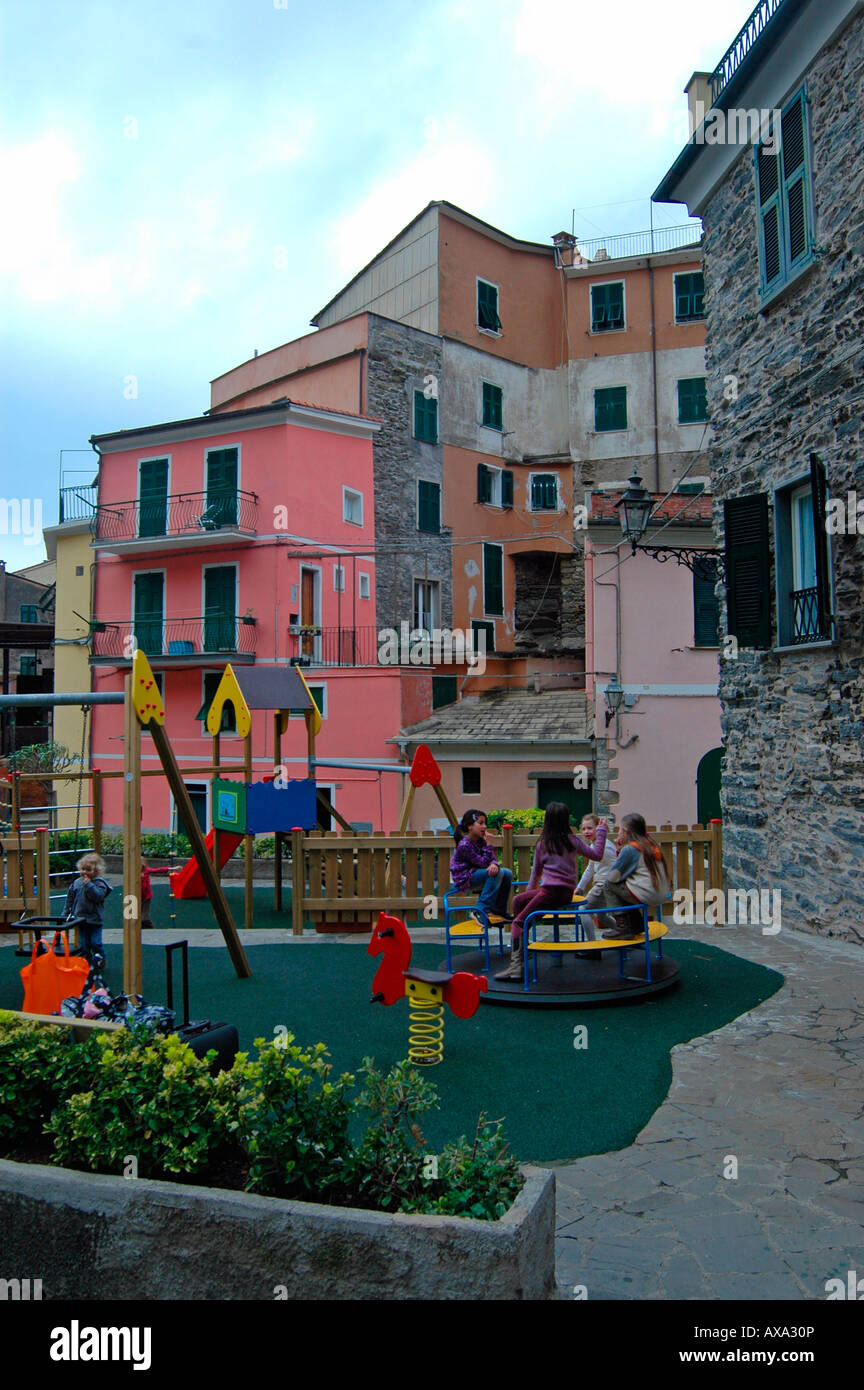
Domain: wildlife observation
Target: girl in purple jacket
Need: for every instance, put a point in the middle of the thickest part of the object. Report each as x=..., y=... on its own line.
x=474, y=868
x=553, y=876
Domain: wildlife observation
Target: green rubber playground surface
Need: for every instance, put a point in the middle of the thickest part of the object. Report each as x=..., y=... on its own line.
x=557, y=1101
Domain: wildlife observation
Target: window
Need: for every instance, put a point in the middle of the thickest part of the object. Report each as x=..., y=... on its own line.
x=804, y=599
x=352, y=506
x=487, y=307
x=425, y=418
x=493, y=579
x=220, y=608
x=607, y=306
x=79, y=570
x=610, y=408
x=29, y=613
x=692, y=401
x=319, y=695
x=470, y=781
x=152, y=497
x=364, y=587
x=426, y=604
x=706, y=613
x=428, y=506
x=148, y=611
x=689, y=296
x=338, y=579
x=445, y=690
x=785, y=200
x=493, y=412
x=27, y=666
x=211, y=685
x=222, y=476
x=494, y=485
x=691, y=488
x=544, y=492
x=483, y=636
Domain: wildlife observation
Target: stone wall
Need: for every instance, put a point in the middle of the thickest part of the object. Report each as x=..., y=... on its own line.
x=793, y=721
x=399, y=360
x=550, y=603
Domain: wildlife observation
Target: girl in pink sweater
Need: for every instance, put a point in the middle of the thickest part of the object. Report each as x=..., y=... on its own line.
x=553, y=876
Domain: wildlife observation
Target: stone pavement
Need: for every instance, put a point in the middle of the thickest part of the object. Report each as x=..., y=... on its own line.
x=780, y=1090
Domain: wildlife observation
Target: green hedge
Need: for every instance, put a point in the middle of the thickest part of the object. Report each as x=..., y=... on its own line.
x=277, y=1125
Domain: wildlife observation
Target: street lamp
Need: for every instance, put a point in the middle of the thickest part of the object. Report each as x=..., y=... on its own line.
x=636, y=506
x=614, y=695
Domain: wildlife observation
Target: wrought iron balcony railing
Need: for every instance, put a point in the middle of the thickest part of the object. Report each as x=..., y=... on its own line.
x=210, y=635
x=648, y=243
x=805, y=617
x=185, y=514
x=338, y=646
x=742, y=44
x=78, y=503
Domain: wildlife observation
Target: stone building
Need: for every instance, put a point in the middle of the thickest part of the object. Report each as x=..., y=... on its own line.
x=783, y=248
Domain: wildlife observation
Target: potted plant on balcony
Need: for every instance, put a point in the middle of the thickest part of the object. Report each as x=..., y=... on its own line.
x=248, y=618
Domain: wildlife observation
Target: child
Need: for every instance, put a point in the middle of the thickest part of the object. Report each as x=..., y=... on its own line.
x=84, y=903
x=639, y=875
x=553, y=876
x=474, y=868
x=595, y=875
x=147, y=890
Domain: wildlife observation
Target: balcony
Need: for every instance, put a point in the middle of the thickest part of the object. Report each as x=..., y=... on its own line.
x=78, y=503
x=743, y=44
x=185, y=519
x=176, y=641
x=648, y=243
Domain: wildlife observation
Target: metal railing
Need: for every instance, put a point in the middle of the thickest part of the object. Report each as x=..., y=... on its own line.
x=77, y=503
x=805, y=617
x=742, y=44
x=339, y=646
x=182, y=514
x=175, y=637
x=647, y=243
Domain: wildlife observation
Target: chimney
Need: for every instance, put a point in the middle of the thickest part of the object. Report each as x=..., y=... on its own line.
x=565, y=249
x=699, y=99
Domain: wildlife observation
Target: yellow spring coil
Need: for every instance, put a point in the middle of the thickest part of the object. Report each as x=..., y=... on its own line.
x=425, y=1034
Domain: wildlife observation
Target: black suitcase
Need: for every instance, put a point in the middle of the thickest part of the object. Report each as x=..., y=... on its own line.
x=202, y=1037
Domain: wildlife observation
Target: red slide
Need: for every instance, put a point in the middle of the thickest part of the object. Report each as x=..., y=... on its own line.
x=187, y=882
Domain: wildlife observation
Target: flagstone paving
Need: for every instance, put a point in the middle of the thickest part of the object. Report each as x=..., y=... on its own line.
x=780, y=1091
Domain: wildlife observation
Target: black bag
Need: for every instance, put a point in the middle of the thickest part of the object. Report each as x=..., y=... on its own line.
x=200, y=1036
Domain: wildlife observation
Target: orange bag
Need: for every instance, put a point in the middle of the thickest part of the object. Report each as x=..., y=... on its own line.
x=49, y=978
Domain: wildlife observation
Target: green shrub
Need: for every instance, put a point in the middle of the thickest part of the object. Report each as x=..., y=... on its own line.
x=389, y=1161
x=478, y=1178
x=148, y=1097
x=288, y=1117
x=39, y=1068
x=531, y=818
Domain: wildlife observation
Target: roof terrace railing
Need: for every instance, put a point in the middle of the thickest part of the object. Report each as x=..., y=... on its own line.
x=742, y=44
x=647, y=243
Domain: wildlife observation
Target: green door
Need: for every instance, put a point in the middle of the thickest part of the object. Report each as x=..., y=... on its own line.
x=577, y=801
x=149, y=612
x=153, y=498
x=221, y=488
x=220, y=618
x=708, y=776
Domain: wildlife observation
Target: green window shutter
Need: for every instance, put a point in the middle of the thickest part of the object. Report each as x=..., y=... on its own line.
x=793, y=144
x=544, y=492
x=706, y=612
x=493, y=579
x=692, y=401
x=506, y=488
x=493, y=412
x=149, y=609
x=428, y=506
x=153, y=497
x=445, y=690
x=610, y=408
x=221, y=488
x=819, y=493
x=484, y=635
x=220, y=618
x=748, y=570
x=689, y=296
x=484, y=483
x=487, y=307
x=768, y=178
x=607, y=307
x=29, y=613
x=27, y=666
x=425, y=418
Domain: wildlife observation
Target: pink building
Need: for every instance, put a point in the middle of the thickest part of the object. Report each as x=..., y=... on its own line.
x=246, y=538
x=651, y=651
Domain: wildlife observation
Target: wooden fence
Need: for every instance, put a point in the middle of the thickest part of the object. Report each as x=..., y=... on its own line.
x=344, y=880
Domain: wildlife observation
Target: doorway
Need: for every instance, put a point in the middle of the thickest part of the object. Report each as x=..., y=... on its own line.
x=577, y=800
x=709, y=775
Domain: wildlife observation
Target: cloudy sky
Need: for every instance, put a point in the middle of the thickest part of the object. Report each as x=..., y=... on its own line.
x=188, y=180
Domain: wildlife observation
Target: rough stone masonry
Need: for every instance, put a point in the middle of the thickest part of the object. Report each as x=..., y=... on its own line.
x=793, y=720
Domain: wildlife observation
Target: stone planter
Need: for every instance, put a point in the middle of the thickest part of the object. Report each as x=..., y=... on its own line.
x=88, y=1236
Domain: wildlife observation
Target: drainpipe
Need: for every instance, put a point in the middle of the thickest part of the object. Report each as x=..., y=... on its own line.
x=654, y=378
